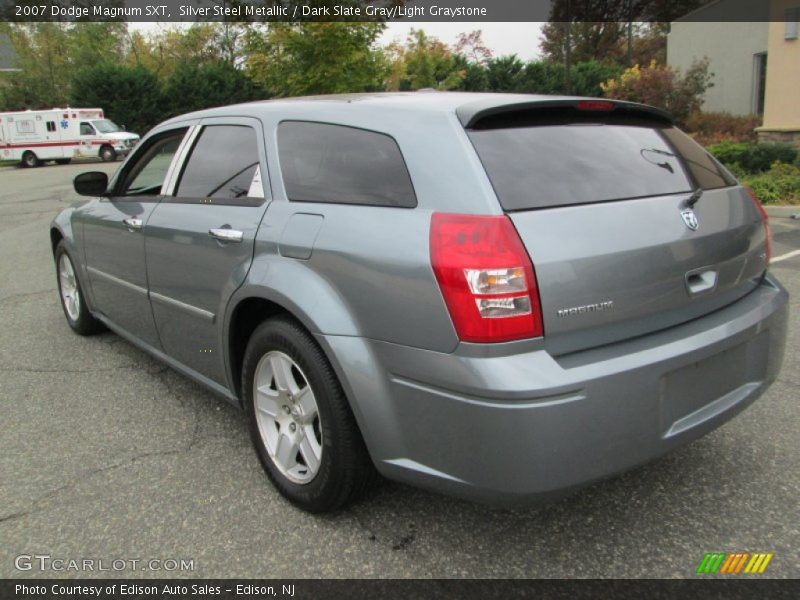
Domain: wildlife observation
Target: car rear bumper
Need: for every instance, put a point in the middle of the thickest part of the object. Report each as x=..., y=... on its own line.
x=521, y=427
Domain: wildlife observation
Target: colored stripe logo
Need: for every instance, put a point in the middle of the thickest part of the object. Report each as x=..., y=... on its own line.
x=734, y=563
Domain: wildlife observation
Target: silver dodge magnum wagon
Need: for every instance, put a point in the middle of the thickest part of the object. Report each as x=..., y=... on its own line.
x=501, y=297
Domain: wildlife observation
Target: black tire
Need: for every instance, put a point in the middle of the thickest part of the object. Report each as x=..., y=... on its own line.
x=63, y=161
x=84, y=323
x=345, y=472
x=108, y=154
x=30, y=160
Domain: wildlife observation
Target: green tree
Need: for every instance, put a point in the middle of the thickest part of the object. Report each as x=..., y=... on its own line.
x=542, y=77
x=195, y=86
x=474, y=78
x=589, y=76
x=424, y=62
x=650, y=43
x=90, y=43
x=509, y=74
x=164, y=50
x=505, y=73
x=131, y=96
x=315, y=58
x=588, y=41
x=42, y=57
x=48, y=54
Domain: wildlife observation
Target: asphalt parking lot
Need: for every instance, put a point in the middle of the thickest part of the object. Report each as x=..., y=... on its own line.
x=106, y=454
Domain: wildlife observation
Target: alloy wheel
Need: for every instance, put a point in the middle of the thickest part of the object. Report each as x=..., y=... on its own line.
x=68, y=284
x=287, y=416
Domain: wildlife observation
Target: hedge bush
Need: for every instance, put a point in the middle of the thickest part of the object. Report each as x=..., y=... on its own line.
x=195, y=86
x=129, y=95
x=713, y=128
x=779, y=185
x=753, y=158
x=660, y=85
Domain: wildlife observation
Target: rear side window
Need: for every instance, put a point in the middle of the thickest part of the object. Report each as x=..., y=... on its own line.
x=578, y=163
x=342, y=165
x=223, y=165
x=706, y=171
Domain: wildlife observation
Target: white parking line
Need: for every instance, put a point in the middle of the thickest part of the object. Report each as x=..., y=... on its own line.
x=786, y=256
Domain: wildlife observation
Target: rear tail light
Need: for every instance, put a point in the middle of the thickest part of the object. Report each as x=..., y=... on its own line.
x=765, y=217
x=486, y=278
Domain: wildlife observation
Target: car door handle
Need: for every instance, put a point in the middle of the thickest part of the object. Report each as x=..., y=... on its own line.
x=133, y=224
x=226, y=235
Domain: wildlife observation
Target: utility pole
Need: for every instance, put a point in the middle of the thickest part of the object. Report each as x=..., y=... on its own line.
x=568, y=50
x=630, y=33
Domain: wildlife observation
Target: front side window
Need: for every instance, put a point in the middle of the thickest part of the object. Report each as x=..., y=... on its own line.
x=87, y=129
x=148, y=173
x=223, y=165
x=342, y=165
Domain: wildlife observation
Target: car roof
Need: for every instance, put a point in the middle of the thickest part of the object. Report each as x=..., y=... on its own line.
x=468, y=106
x=422, y=100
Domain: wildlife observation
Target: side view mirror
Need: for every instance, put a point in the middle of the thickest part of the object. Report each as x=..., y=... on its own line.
x=93, y=183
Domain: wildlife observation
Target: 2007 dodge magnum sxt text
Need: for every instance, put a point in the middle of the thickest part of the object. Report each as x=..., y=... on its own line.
x=496, y=296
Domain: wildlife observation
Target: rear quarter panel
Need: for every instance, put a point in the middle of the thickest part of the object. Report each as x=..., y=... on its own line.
x=368, y=275
x=369, y=271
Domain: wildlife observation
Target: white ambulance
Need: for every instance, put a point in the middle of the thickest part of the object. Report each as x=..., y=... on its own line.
x=61, y=134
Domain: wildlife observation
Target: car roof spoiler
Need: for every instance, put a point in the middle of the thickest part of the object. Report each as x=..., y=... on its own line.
x=472, y=113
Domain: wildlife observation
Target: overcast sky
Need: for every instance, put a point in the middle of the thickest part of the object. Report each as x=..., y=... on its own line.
x=521, y=39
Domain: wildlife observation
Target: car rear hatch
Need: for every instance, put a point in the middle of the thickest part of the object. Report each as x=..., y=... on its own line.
x=599, y=194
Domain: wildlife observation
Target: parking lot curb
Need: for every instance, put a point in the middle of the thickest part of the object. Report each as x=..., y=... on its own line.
x=782, y=211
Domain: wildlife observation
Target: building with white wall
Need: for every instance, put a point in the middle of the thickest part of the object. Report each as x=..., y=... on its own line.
x=737, y=53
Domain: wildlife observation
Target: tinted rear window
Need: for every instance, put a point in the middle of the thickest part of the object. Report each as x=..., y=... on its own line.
x=342, y=165
x=577, y=163
x=705, y=169
x=222, y=164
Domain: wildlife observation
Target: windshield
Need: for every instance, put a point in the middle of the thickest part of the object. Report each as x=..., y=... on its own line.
x=106, y=126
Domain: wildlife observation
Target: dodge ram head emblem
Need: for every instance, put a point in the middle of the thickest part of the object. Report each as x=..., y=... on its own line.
x=690, y=219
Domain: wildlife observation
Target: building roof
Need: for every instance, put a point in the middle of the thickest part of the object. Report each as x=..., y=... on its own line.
x=8, y=58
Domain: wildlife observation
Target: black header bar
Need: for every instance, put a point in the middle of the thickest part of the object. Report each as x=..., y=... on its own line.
x=389, y=10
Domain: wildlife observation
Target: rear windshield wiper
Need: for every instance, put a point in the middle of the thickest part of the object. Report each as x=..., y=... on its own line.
x=692, y=200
